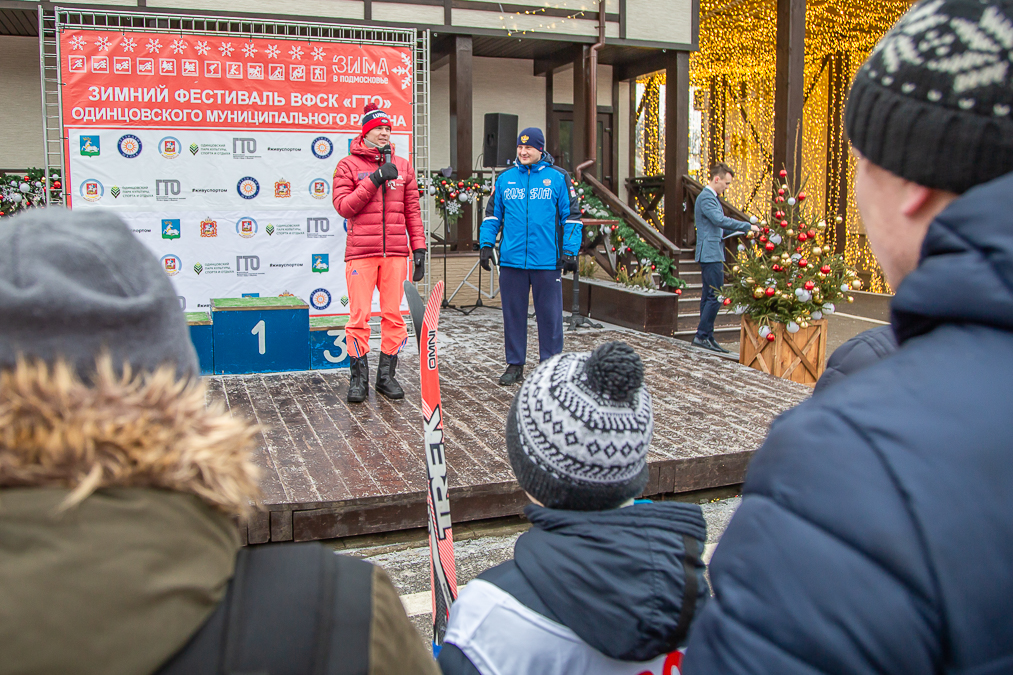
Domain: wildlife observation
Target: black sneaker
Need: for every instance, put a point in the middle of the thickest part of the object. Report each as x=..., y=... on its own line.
x=717, y=347
x=514, y=374
x=704, y=344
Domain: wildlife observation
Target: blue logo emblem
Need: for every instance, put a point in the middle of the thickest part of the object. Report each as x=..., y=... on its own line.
x=129, y=146
x=322, y=147
x=248, y=187
x=170, y=229
x=172, y=264
x=321, y=262
x=319, y=188
x=320, y=299
x=246, y=227
x=169, y=147
x=90, y=146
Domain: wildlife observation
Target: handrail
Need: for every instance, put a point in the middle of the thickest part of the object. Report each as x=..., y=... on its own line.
x=632, y=218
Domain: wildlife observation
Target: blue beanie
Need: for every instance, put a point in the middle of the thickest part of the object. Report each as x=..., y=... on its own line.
x=534, y=137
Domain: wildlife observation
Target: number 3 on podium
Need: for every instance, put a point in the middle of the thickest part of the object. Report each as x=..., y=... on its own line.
x=339, y=342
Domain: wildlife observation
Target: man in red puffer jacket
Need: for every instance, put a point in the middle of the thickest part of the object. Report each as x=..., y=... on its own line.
x=377, y=192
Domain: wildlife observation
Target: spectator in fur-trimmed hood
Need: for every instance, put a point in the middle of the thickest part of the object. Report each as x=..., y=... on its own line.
x=119, y=485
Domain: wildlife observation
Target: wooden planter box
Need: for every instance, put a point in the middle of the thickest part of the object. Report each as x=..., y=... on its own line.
x=799, y=357
x=656, y=312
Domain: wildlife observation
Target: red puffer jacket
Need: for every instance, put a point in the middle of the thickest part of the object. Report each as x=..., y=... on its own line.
x=378, y=224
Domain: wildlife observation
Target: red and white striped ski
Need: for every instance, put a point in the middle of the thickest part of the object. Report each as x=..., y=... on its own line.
x=443, y=572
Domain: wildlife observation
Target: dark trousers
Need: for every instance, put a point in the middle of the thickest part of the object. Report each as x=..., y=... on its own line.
x=547, y=290
x=713, y=275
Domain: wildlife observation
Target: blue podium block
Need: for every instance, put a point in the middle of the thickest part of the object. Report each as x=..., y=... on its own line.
x=327, y=343
x=260, y=335
x=200, y=336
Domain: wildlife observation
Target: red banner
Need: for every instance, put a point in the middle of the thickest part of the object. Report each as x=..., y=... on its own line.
x=166, y=81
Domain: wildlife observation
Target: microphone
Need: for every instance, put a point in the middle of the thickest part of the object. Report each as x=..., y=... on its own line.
x=386, y=152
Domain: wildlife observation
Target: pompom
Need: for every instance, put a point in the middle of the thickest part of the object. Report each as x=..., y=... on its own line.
x=615, y=371
x=369, y=107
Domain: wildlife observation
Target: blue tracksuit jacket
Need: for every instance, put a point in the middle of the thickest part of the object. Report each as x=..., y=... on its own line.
x=537, y=210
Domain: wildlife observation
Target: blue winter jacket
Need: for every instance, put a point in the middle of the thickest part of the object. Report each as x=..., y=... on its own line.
x=876, y=531
x=712, y=225
x=587, y=592
x=536, y=207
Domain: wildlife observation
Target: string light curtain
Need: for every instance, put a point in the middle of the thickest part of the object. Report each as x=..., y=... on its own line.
x=732, y=76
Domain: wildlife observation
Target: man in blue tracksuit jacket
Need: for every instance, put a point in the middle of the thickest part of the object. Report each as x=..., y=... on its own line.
x=535, y=206
x=712, y=225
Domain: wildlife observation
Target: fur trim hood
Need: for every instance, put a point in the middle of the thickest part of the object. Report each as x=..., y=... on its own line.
x=149, y=430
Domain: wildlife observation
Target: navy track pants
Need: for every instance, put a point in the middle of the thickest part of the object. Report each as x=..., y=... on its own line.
x=547, y=291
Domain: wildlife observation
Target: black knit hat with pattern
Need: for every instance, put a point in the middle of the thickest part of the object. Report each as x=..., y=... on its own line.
x=579, y=430
x=934, y=101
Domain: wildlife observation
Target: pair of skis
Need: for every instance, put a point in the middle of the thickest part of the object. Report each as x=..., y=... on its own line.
x=442, y=571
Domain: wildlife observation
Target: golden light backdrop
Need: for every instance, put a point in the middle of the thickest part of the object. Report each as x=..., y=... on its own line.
x=734, y=72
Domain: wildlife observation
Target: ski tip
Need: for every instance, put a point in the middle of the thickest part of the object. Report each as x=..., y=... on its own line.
x=436, y=650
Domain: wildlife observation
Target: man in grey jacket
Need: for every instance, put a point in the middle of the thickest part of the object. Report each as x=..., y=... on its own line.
x=712, y=225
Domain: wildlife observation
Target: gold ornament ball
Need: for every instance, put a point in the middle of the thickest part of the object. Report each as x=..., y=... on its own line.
x=750, y=234
x=850, y=299
x=763, y=223
x=852, y=273
x=736, y=269
x=839, y=220
x=784, y=187
x=750, y=280
x=817, y=250
x=856, y=284
x=790, y=233
x=822, y=225
x=758, y=292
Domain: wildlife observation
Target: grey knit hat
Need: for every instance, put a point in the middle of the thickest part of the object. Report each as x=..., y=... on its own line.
x=934, y=101
x=579, y=430
x=75, y=283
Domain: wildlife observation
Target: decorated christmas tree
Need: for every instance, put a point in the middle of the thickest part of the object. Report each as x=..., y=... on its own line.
x=25, y=191
x=788, y=273
x=451, y=195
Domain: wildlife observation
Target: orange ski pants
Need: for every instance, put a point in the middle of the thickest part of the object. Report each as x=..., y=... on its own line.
x=362, y=276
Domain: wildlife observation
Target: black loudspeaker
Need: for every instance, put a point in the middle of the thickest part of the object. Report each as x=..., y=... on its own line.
x=500, y=145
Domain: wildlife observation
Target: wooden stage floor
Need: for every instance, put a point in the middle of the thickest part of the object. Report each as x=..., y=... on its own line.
x=331, y=469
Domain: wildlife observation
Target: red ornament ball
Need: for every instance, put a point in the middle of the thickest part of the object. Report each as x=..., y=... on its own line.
x=770, y=292
x=779, y=215
x=443, y=201
x=678, y=291
x=762, y=238
x=825, y=269
x=809, y=285
x=811, y=233
x=727, y=302
x=779, y=200
x=801, y=196
x=803, y=263
x=443, y=182
x=802, y=236
x=769, y=246
x=460, y=184
x=57, y=184
x=784, y=223
x=780, y=192
x=770, y=337
x=766, y=230
x=776, y=268
x=783, y=173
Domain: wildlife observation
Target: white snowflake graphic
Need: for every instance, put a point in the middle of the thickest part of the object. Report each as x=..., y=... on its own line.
x=318, y=53
x=77, y=42
x=154, y=46
x=272, y=52
x=179, y=46
x=406, y=59
x=128, y=44
x=226, y=49
x=249, y=50
x=103, y=44
x=202, y=47
x=296, y=53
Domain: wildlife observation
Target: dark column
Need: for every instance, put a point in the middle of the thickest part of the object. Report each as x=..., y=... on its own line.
x=789, y=87
x=551, y=132
x=579, y=109
x=461, y=146
x=676, y=141
x=838, y=81
x=716, y=120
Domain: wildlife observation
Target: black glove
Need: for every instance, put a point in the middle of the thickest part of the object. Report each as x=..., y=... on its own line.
x=569, y=263
x=419, y=260
x=485, y=255
x=385, y=173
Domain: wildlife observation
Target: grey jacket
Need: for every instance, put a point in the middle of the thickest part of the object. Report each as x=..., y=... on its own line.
x=711, y=225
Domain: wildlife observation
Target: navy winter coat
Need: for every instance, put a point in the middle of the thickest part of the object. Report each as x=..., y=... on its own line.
x=876, y=530
x=594, y=593
x=536, y=207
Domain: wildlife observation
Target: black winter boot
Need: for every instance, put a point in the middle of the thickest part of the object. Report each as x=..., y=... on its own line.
x=385, y=382
x=514, y=375
x=358, y=383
